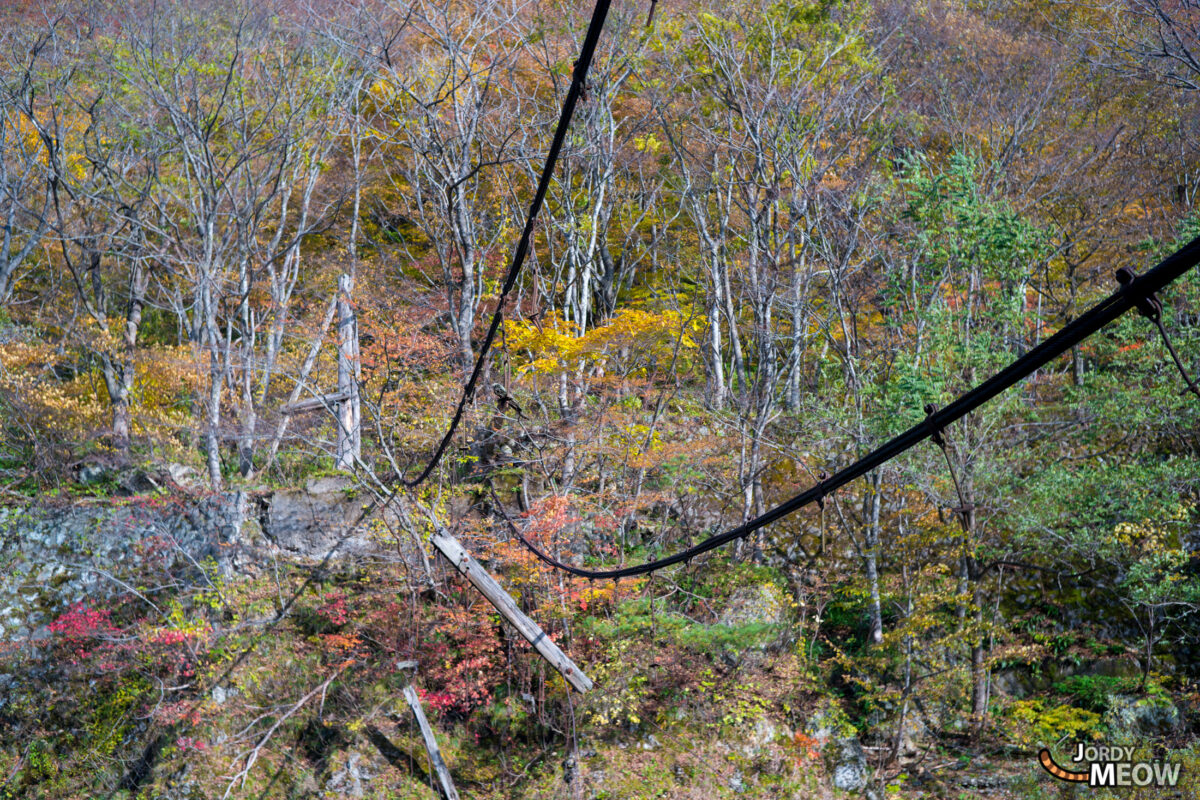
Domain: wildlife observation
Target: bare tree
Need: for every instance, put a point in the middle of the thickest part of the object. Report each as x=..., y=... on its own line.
x=244, y=119
x=1160, y=38
x=24, y=182
x=603, y=196
x=777, y=107
x=445, y=115
x=99, y=177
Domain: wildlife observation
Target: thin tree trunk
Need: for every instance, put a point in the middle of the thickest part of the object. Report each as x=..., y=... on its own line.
x=799, y=320
x=871, y=554
x=979, y=682
x=306, y=368
x=348, y=434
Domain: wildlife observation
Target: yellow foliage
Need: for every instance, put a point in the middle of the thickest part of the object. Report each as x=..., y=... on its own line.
x=165, y=379
x=648, y=143
x=70, y=141
x=1152, y=536
x=76, y=408
x=31, y=140
x=632, y=333
x=1034, y=722
x=63, y=409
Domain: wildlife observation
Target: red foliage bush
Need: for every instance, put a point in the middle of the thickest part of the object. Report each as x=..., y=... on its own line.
x=334, y=610
x=81, y=629
x=463, y=659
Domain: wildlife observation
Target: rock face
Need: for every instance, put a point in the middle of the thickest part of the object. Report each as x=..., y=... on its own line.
x=1114, y=668
x=352, y=778
x=316, y=520
x=1019, y=682
x=1142, y=717
x=1016, y=683
x=849, y=765
x=844, y=755
x=755, y=604
x=827, y=723
x=51, y=557
x=759, y=737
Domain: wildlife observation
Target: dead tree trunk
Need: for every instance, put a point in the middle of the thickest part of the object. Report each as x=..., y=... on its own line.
x=349, y=432
x=457, y=555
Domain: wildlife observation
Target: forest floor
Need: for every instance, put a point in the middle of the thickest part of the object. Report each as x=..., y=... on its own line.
x=709, y=684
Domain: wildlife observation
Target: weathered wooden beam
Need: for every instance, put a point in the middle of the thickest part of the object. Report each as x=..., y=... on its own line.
x=431, y=746
x=327, y=401
x=457, y=555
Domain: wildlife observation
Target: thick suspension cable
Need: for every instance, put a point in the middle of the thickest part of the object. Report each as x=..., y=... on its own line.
x=1132, y=292
x=574, y=93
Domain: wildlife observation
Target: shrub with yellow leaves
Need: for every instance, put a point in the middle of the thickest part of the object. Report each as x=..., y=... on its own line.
x=632, y=340
x=58, y=411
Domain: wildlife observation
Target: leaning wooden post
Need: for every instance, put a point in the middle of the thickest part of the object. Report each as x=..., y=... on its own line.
x=431, y=746
x=457, y=555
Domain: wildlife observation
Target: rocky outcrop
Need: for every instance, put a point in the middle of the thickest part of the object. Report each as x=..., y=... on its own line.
x=321, y=519
x=762, y=604
x=845, y=759
x=54, y=556
x=352, y=777
x=1138, y=718
x=827, y=722
x=1022, y=681
x=849, y=765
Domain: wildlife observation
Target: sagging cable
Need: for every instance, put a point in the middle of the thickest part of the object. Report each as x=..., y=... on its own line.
x=1135, y=292
x=576, y=92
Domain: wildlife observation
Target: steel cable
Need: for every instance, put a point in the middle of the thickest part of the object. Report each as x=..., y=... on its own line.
x=1135, y=291
x=574, y=92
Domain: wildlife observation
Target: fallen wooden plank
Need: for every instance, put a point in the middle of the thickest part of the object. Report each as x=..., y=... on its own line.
x=457, y=555
x=431, y=746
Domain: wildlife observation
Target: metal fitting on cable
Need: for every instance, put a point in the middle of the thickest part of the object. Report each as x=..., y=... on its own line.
x=935, y=433
x=1092, y=320
x=1149, y=306
x=579, y=75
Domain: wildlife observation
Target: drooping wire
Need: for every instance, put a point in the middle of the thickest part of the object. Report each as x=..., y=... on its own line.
x=1183, y=373
x=1135, y=291
x=1150, y=307
x=576, y=90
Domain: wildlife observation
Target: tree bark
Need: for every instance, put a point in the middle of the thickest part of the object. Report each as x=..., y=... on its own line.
x=431, y=746
x=348, y=413
x=871, y=554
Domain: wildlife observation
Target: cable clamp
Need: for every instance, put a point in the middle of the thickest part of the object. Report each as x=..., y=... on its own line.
x=579, y=75
x=935, y=432
x=1149, y=306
